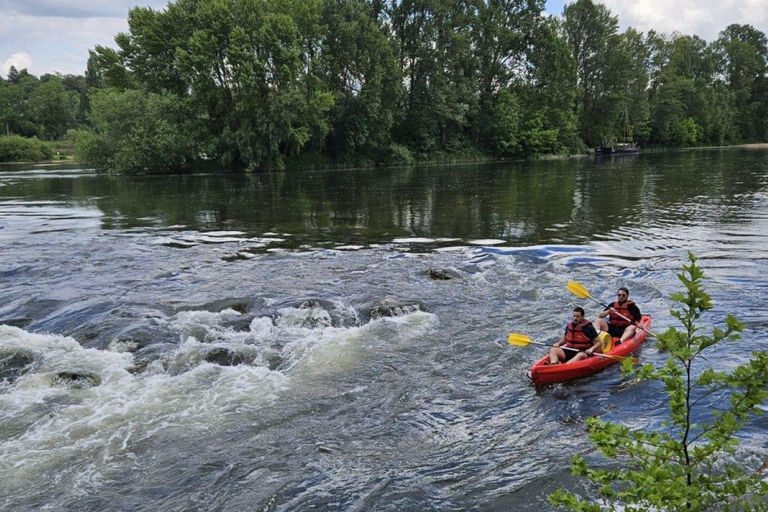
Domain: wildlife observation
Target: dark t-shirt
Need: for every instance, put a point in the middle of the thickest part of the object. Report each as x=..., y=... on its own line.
x=588, y=330
x=634, y=311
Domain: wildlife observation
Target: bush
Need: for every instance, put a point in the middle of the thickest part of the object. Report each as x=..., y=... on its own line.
x=14, y=148
x=395, y=155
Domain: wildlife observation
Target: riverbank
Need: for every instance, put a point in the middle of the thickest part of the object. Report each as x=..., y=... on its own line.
x=64, y=154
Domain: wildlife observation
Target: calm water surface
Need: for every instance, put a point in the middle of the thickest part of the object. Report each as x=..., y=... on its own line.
x=276, y=343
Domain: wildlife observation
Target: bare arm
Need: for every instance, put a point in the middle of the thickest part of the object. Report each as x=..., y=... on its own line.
x=594, y=348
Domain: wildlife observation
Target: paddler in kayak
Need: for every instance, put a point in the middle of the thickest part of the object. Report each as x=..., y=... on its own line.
x=580, y=335
x=623, y=315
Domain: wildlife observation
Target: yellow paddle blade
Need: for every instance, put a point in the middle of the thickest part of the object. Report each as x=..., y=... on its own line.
x=578, y=290
x=519, y=340
x=606, y=342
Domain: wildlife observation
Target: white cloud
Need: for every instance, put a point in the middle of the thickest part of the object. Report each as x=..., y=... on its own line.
x=705, y=18
x=73, y=9
x=18, y=60
x=56, y=35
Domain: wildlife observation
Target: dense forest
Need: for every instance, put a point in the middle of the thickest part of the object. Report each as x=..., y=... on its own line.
x=269, y=84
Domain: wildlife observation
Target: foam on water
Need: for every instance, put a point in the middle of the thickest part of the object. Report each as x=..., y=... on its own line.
x=59, y=439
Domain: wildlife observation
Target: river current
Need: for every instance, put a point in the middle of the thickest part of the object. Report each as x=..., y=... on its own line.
x=336, y=340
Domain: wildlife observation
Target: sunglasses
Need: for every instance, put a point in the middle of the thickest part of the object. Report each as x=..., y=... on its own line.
x=622, y=294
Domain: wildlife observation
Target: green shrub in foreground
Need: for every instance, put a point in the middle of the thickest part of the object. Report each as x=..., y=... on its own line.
x=14, y=148
x=685, y=466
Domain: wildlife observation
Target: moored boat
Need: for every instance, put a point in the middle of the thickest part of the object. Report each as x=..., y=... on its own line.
x=544, y=373
x=622, y=148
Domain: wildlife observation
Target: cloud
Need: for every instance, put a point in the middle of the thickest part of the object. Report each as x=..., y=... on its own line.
x=57, y=34
x=704, y=18
x=56, y=44
x=18, y=60
x=72, y=9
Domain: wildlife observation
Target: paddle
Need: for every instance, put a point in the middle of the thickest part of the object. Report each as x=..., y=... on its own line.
x=579, y=291
x=521, y=340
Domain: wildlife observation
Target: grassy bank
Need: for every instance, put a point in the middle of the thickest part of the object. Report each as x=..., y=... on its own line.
x=16, y=149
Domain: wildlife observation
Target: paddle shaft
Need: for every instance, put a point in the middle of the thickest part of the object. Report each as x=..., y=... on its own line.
x=609, y=356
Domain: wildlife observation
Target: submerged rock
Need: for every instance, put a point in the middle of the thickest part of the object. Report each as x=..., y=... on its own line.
x=443, y=274
x=314, y=313
x=239, y=304
x=225, y=357
x=20, y=322
x=76, y=380
x=151, y=353
x=136, y=337
x=13, y=366
x=393, y=308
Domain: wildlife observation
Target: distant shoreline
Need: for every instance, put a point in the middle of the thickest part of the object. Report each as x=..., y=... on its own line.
x=449, y=161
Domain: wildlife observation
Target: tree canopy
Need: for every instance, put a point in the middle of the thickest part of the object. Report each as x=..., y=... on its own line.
x=268, y=81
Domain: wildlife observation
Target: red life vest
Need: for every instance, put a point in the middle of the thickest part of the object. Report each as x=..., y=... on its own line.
x=621, y=309
x=575, y=337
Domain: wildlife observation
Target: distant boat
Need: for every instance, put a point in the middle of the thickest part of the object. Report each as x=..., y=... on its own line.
x=620, y=148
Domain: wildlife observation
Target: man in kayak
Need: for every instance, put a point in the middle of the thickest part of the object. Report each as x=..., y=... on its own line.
x=580, y=336
x=623, y=315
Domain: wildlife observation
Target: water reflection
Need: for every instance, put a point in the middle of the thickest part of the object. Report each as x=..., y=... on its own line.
x=559, y=201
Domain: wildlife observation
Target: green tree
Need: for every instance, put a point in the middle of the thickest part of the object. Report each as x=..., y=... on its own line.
x=107, y=68
x=689, y=464
x=137, y=131
x=591, y=31
x=357, y=63
x=744, y=53
x=506, y=124
x=548, y=93
x=633, y=57
x=15, y=114
x=248, y=65
x=11, y=107
x=53, y=108
x=13, y=75
x=505, y=34
x=689, y=104
x=434, y=46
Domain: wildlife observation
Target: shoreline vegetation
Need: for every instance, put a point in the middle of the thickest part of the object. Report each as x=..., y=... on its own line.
x=265, y=85
x=69, y=158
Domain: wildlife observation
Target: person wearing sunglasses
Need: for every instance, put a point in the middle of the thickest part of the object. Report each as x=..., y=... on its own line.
x=623, y=317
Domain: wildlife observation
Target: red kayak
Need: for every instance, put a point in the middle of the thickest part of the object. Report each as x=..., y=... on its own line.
x=544, y=373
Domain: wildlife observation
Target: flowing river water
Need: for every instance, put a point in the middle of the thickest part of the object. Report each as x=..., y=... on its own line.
x=336, y=340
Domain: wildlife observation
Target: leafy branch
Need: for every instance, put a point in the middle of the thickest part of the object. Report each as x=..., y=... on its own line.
x=686, y=466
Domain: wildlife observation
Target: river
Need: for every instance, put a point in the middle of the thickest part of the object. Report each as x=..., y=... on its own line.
x=280, y=342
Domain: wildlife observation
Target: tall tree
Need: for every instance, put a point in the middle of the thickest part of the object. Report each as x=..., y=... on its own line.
x=591, y=31
x=13, y=75
x=744, y=52
x=433, y=40
x=548, y=122
x=247, y=64
x=505, y=35
x=689, y=103
x=53, y=108
x=358, y=64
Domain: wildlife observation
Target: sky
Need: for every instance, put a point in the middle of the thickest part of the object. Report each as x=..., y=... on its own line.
x=50, y=36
